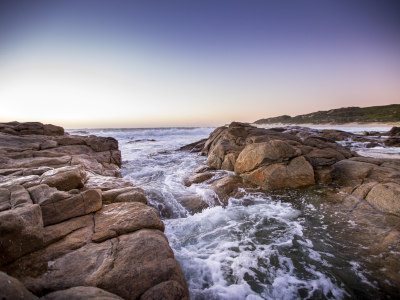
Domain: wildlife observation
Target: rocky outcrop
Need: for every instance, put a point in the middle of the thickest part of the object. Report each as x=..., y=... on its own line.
x=272, y=158
x=296, y=156
x=71, y=228
x=31, y=128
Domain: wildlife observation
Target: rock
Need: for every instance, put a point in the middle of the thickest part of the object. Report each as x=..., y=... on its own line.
x=136, y=195
x=127, y=266
x=255, y=155
x=88, y=162
x=197, y=178
x=168, y=290
x=229, y=162
x=20, y=180
x=10, y=131
x=298, y=172
x=21, y=232
x=53, y=130
x=386, y=197
x=59, y=206
x=68, y=140
x=48, y=144
x=362, y=191
x=121, y=218
x=351, y=173
x=66, y=178
x=323, y=157
x=372, y=145
x=226, y=187
x=81, y=293
x=324, y=175
x=4, y=199
x=194, y=147
x=116, y=157
x=95, y=181
x=59, y=240
x=36, y=162
x=393, y=132
x=201, y=169
x=110, y=195
x=392, y=141
x=19, y=196
x=12, y=289
x=101, y=143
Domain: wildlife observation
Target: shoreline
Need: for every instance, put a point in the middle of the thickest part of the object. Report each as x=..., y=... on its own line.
x=328, y=125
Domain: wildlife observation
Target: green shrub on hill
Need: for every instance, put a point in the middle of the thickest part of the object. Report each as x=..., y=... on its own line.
x=384, y=114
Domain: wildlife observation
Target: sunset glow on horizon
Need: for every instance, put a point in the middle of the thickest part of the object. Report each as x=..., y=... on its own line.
x=177, y=63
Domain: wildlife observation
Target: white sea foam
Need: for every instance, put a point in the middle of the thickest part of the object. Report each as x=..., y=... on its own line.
x=254, y=248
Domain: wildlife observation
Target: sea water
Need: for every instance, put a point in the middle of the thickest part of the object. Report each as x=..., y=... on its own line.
x=287, y=244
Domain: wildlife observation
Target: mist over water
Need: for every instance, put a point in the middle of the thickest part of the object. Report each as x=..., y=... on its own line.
x=286, y=244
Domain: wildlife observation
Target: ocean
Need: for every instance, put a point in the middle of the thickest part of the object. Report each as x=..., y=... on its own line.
x=286, y=244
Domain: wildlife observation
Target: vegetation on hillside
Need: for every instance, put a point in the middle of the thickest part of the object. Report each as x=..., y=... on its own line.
x=384, y=114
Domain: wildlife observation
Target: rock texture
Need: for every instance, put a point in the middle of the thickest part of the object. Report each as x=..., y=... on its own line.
x=292, y=157
x=71, y=228
x=272, y=158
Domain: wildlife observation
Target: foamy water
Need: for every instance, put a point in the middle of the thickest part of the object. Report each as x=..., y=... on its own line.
x=281, y=245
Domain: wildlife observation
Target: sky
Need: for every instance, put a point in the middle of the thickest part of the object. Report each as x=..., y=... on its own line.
x=127, y=63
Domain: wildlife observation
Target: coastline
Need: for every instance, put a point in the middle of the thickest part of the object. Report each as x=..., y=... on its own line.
x=329, y=125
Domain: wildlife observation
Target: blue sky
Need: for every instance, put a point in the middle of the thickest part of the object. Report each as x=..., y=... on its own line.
x=193, y=63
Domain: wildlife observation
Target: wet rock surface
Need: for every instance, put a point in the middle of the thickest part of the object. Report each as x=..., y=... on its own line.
x=71, y=227
x=297, y=157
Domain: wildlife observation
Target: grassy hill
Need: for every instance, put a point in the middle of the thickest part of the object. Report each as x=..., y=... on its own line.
x=384, y=114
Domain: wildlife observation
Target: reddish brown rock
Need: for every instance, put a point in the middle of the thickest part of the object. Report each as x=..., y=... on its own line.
x=121, y=218
x=95, y=181
x=58, y=206
x=168, y=290
x=12, y=289
x=255, y=155
x=66, y=178
x=21, y=232
x=386, y=197
x=197, y=178
x=298, y=172
x=81, y=293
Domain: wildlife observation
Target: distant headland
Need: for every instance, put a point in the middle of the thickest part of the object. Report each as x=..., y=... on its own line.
x=387, y=114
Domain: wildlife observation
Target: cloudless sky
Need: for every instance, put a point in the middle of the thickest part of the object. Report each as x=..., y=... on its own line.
x=124, y=63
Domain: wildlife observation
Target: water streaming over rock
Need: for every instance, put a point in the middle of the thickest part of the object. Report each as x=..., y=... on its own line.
x=286, y=244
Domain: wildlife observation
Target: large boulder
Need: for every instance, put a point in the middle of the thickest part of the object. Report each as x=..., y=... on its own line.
x=255, y=155
x=296, y=173
x=21, y=232
x=127, y=266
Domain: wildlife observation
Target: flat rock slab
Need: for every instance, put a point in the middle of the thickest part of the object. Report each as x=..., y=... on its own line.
x=105, y=183
x=120, y=218
x=127, y=266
